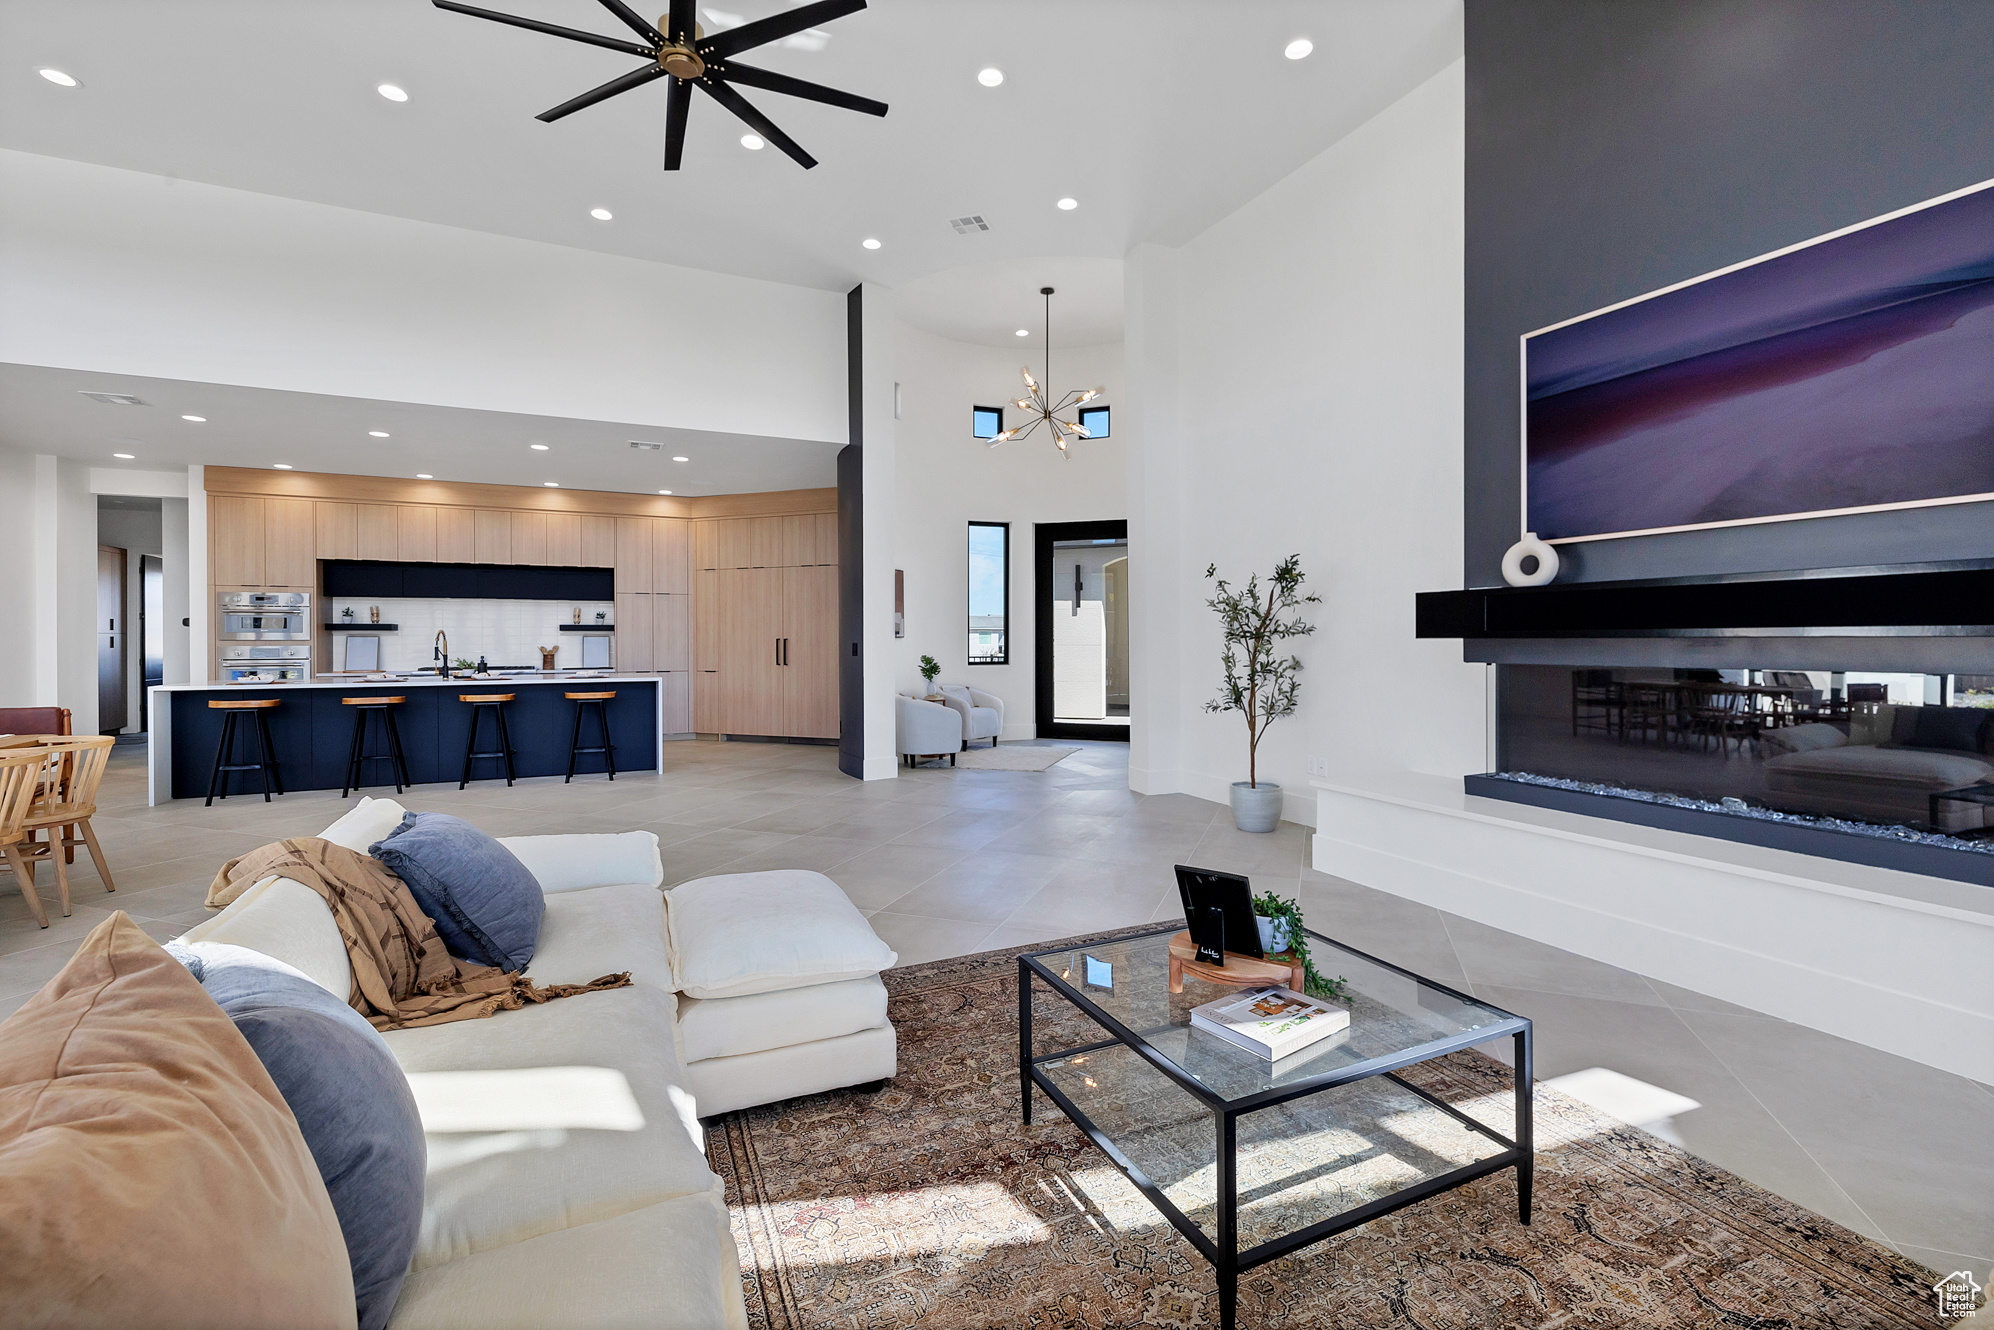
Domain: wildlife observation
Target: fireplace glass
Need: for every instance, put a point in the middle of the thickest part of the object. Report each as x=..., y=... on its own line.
x=1911, y=751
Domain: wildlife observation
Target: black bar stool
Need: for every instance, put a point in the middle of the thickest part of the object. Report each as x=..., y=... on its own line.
x=583, y=701
x=266, y=760
x=381, y=711
x=480, y=702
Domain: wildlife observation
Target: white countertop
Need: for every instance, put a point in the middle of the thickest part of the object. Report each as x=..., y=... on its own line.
x=412, y=681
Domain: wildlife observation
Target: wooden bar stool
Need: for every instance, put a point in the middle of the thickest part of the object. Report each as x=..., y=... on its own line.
x=583, y=701
x=479, y=703
x=381, y=711
x=266, y=761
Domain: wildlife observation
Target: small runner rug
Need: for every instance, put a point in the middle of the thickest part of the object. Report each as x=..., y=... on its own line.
x=929, y=1204
x=1013, y=757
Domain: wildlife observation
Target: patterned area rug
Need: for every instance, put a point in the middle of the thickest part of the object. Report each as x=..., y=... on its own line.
x=1015, y=757
x=929, y=1204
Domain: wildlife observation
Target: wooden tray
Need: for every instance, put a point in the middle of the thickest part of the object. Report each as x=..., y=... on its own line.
x=1242, y=970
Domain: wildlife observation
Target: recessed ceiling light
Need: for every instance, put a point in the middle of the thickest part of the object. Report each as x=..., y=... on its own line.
x=991, y=77
x=124, y=457
x=424, y=475
x=601, y=214
x=1024, y=332
x=664, y=491
x=280, y=466
x=1068, y=205
x=58, y=77
x=538, y=447
x=870, y=243
x=198, y=420
x=377, y=434
x=551, y=484
x=681, y=459
x=1299, y=48
x=392, y=93
x=753, y=142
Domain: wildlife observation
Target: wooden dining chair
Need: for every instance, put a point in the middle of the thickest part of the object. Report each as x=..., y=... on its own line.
x=22, y=774
x=67, y=805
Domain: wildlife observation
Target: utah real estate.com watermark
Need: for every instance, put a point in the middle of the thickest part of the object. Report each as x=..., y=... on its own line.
x=1958, y=1295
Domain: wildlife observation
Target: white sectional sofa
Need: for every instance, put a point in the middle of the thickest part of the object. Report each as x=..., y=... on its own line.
x=567, y=1181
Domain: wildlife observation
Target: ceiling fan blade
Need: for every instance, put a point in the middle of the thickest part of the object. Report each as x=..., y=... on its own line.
x=756, y=121
x=677, y=106
x=776, y=26
x=551, y=29
x=681, y=20
x=624, y=83
x=795, y=87
x=635, y=22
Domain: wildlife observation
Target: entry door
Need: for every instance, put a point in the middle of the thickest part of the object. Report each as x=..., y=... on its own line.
x=1082, y=617
x=113, y=642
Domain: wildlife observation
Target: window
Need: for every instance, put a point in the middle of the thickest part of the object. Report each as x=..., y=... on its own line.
x=989, y=593
x=986, y=422
x=1094, y=419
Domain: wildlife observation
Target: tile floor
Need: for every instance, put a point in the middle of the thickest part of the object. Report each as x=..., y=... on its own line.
x=946, y=861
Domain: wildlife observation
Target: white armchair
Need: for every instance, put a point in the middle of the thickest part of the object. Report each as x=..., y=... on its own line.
x=925, y=729
x=982, y=713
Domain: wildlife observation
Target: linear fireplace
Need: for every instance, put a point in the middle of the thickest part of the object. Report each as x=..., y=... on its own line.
x=1846, y=715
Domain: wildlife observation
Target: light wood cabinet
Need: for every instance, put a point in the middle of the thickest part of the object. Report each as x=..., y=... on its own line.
x=796, y=540
x=378, y=532
x=733, y=545
x=670, y=555
x=706, y=620
x=827, y=539
x=491, y=532
x=338, y=533
x=598, y=545
x=678, y=703
x=635, y=647
x=416, y=528
x=633, y=554
x=707, y=702
x=704, y=541
x=456, y=536
x=564, y=540
x=529, y=538
x=765, y=542
x=235, y=541
x=290, y=530
x=672, y=632
x=750, y=610
x=808, y=685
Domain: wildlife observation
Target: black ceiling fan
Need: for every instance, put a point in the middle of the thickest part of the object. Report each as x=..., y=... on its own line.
x=683, y=52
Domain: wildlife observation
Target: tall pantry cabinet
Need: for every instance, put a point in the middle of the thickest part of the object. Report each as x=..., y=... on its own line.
x=765, y=616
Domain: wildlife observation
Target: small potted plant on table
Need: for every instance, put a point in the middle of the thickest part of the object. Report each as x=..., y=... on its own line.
x=930, y=667
x=1281, y=935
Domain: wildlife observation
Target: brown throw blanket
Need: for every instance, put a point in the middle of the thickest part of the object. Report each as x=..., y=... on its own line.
x=402, y=975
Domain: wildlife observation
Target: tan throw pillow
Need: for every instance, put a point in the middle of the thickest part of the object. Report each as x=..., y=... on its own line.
x=150, y=1172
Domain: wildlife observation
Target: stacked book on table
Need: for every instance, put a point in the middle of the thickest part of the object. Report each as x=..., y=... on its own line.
x=1273, y=1022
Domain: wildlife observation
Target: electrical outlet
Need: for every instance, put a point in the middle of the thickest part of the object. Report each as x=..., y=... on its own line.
x=1319, y=768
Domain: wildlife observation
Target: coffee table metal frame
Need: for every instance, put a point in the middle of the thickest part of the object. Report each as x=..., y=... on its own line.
x=1224, y=1253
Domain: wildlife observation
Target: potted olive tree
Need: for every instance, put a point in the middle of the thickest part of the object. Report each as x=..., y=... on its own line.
x=1258, y=683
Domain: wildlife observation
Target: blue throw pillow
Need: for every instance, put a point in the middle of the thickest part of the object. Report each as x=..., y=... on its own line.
x=486, y=904
x=350, y=1098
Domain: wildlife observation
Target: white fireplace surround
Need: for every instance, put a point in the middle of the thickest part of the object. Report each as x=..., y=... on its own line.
x=1894, y=960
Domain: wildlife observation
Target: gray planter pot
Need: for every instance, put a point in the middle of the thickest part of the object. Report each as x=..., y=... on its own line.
x=1273, y=934
x=1256, y=808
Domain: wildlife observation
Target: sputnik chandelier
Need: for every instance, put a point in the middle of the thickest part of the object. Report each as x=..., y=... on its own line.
x=1039, y=408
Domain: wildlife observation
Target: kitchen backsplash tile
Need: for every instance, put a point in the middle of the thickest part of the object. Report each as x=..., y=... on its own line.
x=504, y=632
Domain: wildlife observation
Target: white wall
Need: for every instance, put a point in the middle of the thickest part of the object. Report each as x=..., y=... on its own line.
x=62, y=569
x=947, y=479
x=17, y=589
x=125, y=272
x=1297, y=375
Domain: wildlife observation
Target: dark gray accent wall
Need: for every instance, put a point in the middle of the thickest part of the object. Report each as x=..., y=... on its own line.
x=1617, y=146
x=851, y=560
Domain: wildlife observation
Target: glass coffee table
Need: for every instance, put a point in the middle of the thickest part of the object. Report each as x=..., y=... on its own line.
x=1252, y=1159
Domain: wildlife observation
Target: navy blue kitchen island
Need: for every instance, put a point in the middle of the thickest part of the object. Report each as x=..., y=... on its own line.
x=312, y=732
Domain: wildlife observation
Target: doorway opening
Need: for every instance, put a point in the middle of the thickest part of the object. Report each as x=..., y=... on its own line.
x=1082, y=613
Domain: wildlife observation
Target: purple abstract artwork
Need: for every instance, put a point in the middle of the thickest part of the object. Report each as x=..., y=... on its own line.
x=1855, y=373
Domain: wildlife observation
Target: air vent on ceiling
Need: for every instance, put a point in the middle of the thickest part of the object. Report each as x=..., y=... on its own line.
x=111, y=399
x=642, y=446
x=969, y=226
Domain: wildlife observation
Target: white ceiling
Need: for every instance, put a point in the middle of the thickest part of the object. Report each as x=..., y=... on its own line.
x=1159, y=116
x=46, y=412
x=987, y=303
